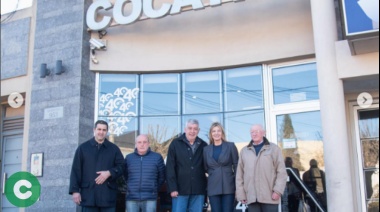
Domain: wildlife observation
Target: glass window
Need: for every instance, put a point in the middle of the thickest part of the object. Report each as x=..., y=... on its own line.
x=295, y=83
x=301, y=142
x=160, y=94
x=243, y=89
x=122, y=131
x=369, y=140
x=301, y=139
x=118, y=94
x=202, y=92
x=160, y=104
x=161, y=131
x=238, y=125
x=370, y=152
x=8, y=6
x=372, y=186
x=369, y=124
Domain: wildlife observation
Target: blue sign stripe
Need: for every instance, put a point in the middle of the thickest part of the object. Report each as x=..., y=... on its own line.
x=356, y=19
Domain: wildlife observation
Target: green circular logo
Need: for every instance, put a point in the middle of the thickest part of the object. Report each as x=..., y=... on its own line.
x=22, y=189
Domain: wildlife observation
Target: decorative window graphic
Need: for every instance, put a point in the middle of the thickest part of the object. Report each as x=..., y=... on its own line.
x=160, y=104
x=116, y=106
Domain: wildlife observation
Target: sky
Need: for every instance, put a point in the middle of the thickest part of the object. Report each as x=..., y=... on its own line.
x=8, y=6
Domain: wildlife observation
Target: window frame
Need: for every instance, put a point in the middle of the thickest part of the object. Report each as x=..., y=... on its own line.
x=270, y=110
x=357, y=146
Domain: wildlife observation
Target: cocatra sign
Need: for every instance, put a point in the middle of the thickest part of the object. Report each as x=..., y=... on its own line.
x=138, y=8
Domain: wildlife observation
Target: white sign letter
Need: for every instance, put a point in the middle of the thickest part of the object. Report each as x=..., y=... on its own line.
x=118, y=11
x=17, y=191
x=215, y=2
x=178, y=4
x=151, y=13
x=92, y=12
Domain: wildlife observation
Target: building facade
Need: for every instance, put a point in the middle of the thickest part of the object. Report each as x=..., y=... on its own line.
x=306, y=70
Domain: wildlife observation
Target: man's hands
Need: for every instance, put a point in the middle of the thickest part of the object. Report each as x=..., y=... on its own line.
x=103, y=176
x=276, y=196
x=77, y=198
x=174, y=194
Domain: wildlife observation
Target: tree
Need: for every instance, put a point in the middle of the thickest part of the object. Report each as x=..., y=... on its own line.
x=159, y=138
x=287, y=132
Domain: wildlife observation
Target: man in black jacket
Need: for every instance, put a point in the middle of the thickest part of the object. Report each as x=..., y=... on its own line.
x=185, y=172
x=96, y=166
x=315, y=180
x=293, y=186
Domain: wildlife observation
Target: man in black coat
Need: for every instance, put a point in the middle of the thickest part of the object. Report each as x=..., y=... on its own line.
x=185, y=172
x=96, y=166
x=315, y=180
x=293, y=186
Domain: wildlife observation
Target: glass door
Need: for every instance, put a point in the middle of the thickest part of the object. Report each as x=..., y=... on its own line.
x=368, y=152
x=295, y=125
x=12, y=154
x=299, y=135
x=11, y=143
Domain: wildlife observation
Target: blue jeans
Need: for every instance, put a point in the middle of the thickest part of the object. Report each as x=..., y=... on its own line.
x=98, y=209
x=190, y=203
x=145, y=206
x=222, y=203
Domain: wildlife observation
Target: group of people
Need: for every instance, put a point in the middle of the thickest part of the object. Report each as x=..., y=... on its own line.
x=313, y=179
x=193, y=170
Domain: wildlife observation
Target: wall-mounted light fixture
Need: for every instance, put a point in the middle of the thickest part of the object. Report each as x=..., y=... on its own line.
x=58, y=67
x=44, y=71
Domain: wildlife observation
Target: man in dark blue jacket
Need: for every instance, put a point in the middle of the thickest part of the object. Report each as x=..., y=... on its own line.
x=185, y=172
x=96, y=166
x=145, y=174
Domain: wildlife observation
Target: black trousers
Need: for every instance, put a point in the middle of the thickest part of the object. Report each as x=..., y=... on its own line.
x=261, y=207
x=98, y=209
x=293, y=202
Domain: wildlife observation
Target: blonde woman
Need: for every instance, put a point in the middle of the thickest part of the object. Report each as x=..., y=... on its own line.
x=220, y=160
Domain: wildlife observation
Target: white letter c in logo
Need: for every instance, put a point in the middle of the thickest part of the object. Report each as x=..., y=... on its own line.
x=18, y=185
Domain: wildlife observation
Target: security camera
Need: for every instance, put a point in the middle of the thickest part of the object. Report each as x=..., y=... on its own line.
x=98, y=44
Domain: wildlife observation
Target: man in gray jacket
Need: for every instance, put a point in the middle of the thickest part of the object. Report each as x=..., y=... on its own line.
x=261, y=174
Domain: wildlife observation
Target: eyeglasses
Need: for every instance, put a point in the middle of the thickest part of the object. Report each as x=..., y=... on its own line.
x=256, y=131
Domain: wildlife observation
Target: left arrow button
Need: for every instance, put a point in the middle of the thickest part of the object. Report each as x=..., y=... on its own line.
x=15, y=100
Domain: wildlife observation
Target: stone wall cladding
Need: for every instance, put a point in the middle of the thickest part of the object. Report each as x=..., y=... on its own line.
x=61, y=34
x=14, y=48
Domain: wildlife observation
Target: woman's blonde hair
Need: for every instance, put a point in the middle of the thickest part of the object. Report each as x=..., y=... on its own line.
x=213, y=125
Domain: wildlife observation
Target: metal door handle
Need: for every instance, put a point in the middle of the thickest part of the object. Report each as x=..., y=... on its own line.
x=4, y=180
